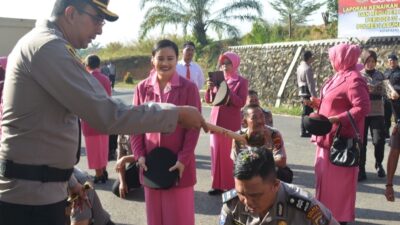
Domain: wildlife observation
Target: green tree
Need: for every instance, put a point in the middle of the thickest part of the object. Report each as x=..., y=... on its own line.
x=258, y=33
x=333, y=7
x=331, y=17
x=295, y=12
x=263, y=32
x=199, y=16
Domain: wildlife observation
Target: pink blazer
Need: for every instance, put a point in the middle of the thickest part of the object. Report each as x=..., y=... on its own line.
x=182, y=142
x=348, y=93
x=105, y=82
x=228, y=116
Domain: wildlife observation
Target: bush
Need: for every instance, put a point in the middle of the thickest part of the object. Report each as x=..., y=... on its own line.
x=128, y=78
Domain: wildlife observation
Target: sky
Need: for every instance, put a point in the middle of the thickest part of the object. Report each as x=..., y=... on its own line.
x=126, y=28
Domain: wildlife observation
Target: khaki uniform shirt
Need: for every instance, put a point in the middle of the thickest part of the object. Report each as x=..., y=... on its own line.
x=275, y=144
x=293, y=206
x=46, y=90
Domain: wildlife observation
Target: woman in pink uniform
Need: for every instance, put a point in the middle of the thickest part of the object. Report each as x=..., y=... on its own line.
x=345, y=91
x=227, y=116
x=173, y=206
x=96, y=143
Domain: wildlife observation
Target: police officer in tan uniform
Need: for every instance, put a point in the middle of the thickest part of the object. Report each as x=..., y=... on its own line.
x=260, y=198
x=259, y=134
x=45, y=91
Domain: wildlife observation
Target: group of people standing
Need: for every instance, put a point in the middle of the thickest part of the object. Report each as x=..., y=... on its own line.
x=46, y=90
x=359, y=89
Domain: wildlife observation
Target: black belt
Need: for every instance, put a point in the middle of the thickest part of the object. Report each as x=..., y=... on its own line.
x=42, y=173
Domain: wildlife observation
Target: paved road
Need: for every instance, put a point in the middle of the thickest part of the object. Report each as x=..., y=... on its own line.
x=372, y=207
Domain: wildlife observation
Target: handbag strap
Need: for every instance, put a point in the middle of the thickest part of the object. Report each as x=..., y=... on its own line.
x=338, y=130
x=353, y=124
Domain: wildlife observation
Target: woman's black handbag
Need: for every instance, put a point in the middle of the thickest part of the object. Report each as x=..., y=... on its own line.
x=345, y=152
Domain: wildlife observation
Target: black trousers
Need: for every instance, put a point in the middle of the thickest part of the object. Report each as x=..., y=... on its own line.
x=112, y=145
x=112, y=79
x=15, y=214
x=376, y=126
x=388, y=115
x=307, y=110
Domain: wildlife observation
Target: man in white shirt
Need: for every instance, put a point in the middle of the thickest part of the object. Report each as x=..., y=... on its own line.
x=189, y=69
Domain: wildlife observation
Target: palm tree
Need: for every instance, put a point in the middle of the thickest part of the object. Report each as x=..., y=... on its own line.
x=199, y=16
x=295, y=12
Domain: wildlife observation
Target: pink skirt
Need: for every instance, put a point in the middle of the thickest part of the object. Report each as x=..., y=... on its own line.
x=336, y=186
x=97, y=151
x=173, y=206
x=221, y=163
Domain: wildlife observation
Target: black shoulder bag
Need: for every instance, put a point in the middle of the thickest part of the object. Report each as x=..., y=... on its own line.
x=345, y=152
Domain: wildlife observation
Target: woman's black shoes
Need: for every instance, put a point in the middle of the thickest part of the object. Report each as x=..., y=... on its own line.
x=105, y=174
x=100, y=179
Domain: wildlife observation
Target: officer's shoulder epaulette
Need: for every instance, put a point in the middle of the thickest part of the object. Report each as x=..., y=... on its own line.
x=299, y=202
x=229, y=195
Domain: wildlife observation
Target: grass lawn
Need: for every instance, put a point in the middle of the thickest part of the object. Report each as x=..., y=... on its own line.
x=286, y=110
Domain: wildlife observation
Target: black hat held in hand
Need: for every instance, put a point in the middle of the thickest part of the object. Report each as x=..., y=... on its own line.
x=158, y=162
x=317, y=124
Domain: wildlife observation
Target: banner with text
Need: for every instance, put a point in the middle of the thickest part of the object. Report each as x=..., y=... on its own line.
x=369, y=18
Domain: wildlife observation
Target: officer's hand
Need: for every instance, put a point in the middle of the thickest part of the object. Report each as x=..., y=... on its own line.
x=190, y=117
x=142, y=163
x=123, y=189
x=389, y=193
x=178, y=166
x=79, y=198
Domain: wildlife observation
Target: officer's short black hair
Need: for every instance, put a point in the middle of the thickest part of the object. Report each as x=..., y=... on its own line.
x=307, y=55
x=189, y=43
x=165, y=43
x=253, y=162
x=249, y=106
x=92, y=61
x=252, y=92
x=61, y=5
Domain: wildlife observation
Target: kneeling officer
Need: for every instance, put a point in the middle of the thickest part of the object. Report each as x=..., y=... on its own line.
x=260, y=198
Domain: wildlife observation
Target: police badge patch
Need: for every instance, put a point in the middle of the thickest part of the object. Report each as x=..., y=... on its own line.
x=282, y=222
x=316, y=216
x=300, y=203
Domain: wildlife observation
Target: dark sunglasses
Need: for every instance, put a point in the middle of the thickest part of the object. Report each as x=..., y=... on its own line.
x=97, y=19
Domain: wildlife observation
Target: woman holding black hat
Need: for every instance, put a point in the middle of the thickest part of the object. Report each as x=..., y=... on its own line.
x=227, y=116
x=175, y=205
x=375, y=120
x=346, y=91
